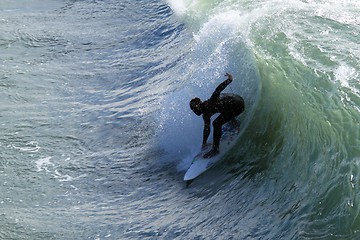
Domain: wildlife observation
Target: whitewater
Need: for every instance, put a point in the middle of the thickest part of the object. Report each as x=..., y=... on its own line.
x=96, y=130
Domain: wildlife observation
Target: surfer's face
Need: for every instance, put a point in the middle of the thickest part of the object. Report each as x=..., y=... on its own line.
x=195, y=105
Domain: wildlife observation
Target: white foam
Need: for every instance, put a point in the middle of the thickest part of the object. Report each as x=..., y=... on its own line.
x=179, y=7
x=44, y=164
x=31, y=147
x=65, y=177
x=343, y=74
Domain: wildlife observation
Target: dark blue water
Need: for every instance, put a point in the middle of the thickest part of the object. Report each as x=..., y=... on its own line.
x=97, y=133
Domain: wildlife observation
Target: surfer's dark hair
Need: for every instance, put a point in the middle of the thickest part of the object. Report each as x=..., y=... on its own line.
x=195, y=105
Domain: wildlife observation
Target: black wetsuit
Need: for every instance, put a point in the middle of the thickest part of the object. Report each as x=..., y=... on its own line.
x=228, y=105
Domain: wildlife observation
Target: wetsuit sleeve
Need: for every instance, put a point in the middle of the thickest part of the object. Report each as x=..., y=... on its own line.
x=220, y=88
x=206, y=132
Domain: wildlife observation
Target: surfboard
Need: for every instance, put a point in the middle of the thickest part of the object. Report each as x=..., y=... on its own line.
x=199, y=164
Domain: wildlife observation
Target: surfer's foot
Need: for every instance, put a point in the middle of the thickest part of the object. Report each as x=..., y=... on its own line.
x=212, y=153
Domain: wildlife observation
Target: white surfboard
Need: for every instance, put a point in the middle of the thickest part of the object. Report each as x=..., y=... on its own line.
x=199, y=164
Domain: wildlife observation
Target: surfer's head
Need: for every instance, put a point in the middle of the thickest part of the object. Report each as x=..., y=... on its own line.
x=195, y=105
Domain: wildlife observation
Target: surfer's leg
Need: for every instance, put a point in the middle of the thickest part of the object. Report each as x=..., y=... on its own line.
x=217, y=124
x=237, y=110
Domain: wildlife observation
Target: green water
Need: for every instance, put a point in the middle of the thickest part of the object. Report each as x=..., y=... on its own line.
x=303, y=141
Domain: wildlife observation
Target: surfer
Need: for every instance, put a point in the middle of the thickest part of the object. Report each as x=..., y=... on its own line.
x=228, y=105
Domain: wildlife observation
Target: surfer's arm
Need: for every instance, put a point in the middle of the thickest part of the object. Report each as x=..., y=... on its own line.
x=221, y=87
x=206, y=132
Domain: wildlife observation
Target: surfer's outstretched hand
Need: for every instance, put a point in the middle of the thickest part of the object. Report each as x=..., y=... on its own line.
x=229, y=76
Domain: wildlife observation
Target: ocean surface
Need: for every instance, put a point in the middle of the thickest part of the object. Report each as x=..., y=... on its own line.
x=96, y=131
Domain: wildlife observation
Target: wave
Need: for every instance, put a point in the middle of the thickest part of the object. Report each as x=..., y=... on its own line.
x=293, y=66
